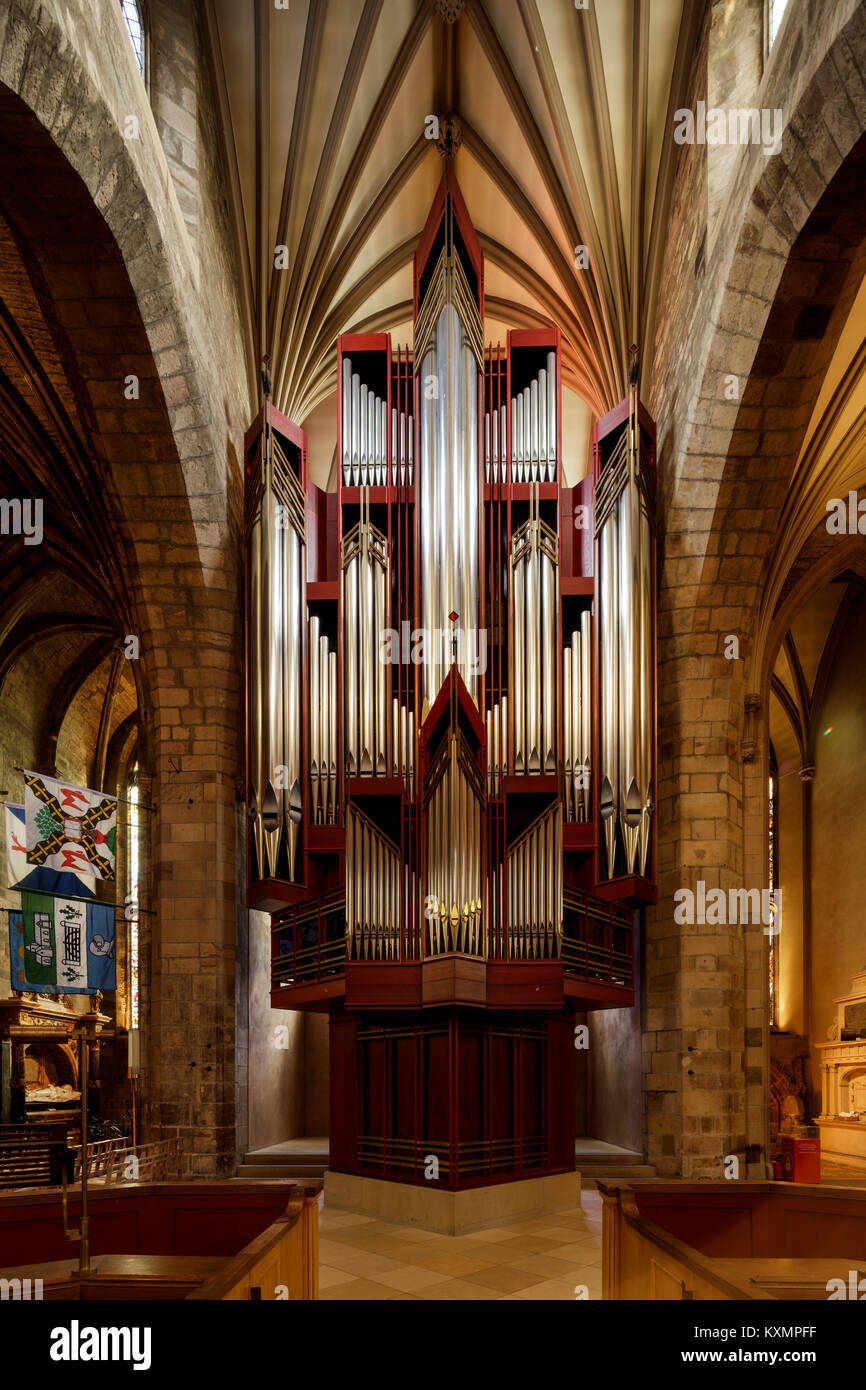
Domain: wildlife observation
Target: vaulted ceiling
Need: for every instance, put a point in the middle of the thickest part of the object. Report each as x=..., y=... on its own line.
x=559, y=125
x=803, y=669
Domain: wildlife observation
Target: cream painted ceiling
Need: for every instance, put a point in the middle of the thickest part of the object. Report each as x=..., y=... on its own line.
x=564, y=115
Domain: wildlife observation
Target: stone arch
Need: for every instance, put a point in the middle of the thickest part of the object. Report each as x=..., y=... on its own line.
x=98, y=220
x=723, y=482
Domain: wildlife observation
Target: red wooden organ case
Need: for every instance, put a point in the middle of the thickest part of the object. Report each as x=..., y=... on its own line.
x=424, y=822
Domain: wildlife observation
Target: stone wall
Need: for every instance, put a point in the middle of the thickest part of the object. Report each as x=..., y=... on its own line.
x=129, y=294
x=723, y=480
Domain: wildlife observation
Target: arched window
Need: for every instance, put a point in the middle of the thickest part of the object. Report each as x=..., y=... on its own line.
x=773, y=868
x=132, y=895
x=132, y=13
x=775, y=14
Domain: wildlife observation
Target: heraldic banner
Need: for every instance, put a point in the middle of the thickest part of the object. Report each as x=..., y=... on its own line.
x=62, y=945
x=19, y=874
x=69, y=828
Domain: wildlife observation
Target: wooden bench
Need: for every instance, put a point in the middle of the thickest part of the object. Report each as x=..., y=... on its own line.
x=34, y=1156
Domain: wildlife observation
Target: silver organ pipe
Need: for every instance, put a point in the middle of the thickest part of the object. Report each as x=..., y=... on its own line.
x=395, y=448
x=403, y=448
x=503, y=443
x=487, y=453
x=623, y=528
x=315, y=721
x=276, y=548
x=577, y=707
x=552, y=429
x=373, y=903
x=609, y=661
x=332, y=738
x=293, y=804
x=543, y=425
x=354, y=428
x=585, y=725
x=363, y=435
x=534, y=433
x=449, y=351
x=533, y=428
x=647, y=681
x=534, y=604
x=453, y=886
x=365, y=586
x=518, y=440
x=256, y=692
x=347, y=421
x=534, y=889
x=322, y=707
x=383, y=442
x=567, y=736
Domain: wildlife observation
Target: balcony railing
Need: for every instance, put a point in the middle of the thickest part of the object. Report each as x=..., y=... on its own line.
x=310, y=942
x=597, y=940
x=595, y=944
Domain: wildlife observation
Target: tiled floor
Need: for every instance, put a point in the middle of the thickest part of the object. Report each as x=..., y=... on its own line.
x=544, y=1258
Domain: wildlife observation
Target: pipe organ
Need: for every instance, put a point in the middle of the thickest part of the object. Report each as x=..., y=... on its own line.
x=450, y=723
x=624, y=507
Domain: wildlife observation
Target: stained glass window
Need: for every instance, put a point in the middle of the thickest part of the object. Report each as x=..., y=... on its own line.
x=135, y=25
x=132, y=900
x=773, y=867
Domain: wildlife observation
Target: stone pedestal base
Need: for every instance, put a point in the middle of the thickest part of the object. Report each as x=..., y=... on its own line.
x=452, y=1213
x=843, y=1139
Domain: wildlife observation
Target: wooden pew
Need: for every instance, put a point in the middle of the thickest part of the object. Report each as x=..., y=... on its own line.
x=210, y=1240
x=717, y=1240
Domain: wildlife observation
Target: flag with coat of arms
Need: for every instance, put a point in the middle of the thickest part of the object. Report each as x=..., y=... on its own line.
x=69, y=828
x=62, y=945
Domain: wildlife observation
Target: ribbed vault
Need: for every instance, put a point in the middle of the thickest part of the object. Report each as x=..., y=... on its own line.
x=559, y=122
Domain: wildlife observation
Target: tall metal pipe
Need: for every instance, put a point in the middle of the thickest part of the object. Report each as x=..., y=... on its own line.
x=534, y=432
x=630, y=799
x=552, y=431
x=543, y=408
x=363, y=436
x=346, y=423
x=256, y=694
x=518, y=667
x=585, y=744
x=315, y=718
x=351, y=617
x=487, y=446
x=356, y=430
x=293, y=588
x=608, y=608
x=533, y=692
x=567, y=740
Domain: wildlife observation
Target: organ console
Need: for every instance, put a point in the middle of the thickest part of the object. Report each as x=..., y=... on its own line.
x=451, y=731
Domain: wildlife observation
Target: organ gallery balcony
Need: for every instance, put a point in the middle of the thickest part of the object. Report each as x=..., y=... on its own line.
x=587, y=962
